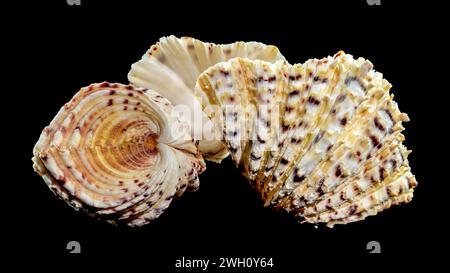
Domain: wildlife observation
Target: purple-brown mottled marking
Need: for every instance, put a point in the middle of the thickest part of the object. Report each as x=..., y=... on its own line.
x=352, y=209
x=61, y=181
x=342, y=196
x=329, y=147
x=389, y=114
x=389, y=192
x=232, y=149
x=377, y=124
x=337, y=54
x=254, y=157
x=340, y=98
x=374, y=140
x=319, y=187
x=394, y=164
x=260, y=139
x=298, y=179
x=294, y=93
x=338, y=171
x=313, y=101
x=224, y=73
x=382, y=174
x=318, y=137
x=288, y=109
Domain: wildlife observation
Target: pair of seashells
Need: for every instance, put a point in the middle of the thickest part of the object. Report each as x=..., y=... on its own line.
x=321, y=140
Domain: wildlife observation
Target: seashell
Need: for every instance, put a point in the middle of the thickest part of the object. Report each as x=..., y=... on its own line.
x=321, y=140
x=171, y=67
x=119, y=153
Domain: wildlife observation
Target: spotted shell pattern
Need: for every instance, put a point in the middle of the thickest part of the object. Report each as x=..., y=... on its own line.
x=119, y=153
x=171, y=68
x=321, y=140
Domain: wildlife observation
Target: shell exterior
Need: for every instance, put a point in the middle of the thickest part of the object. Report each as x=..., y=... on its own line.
x=119, y=153
x=171, y=67
x=321, y=140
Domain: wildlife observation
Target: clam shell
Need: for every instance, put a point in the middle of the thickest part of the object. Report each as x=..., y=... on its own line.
x=171, y=67
x=321, y=140
x=119, y=153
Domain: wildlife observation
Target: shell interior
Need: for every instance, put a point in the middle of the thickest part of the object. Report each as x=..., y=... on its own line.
x=172, y=66
x=119, y=153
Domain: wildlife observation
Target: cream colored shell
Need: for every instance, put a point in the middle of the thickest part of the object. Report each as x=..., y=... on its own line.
x=119, y=153
x=171, y=67
x=321, y=139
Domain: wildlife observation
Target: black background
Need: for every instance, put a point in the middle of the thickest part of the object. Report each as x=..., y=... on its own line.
x=62, y=48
